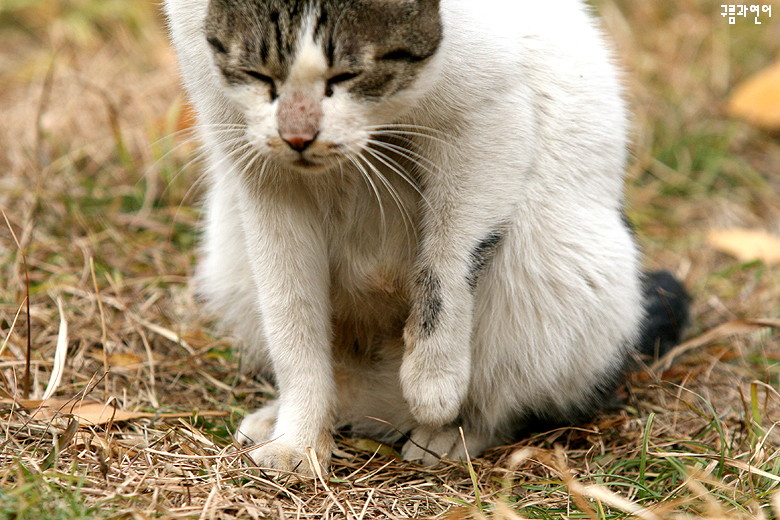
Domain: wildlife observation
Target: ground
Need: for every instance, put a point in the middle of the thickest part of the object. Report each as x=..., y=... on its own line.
x=100, y=187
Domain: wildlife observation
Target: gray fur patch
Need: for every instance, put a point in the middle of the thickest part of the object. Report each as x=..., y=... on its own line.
x=431, y=302
x=384, y=42
x=481, y=255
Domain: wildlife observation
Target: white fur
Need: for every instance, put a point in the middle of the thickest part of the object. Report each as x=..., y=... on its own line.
x=530, y=104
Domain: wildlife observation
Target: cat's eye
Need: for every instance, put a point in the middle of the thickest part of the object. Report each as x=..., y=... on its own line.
x=401, y=55
x=262, y=78
x=217, y=45
x=339, y=78
x=259, y=77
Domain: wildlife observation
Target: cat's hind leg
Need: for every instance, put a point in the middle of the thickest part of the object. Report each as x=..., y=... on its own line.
x=429, y=445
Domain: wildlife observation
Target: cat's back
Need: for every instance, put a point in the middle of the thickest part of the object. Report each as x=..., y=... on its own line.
x=566, y=25
x=542, y=73
x=542, y=44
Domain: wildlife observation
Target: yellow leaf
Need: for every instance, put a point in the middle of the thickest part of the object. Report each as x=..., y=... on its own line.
x=92, y=413
x=372, y=446
x=747, y=244
x=757, y=99
x=88, y=413
x=124, y=359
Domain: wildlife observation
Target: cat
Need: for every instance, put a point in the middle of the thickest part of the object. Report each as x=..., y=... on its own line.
x=414, y=221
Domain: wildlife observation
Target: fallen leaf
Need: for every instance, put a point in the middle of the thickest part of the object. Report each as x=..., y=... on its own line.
x=372, y=446
x=746, y=244
x=124, y=359
x=88, y=413
x=757, y=99
x=96, y=414
x=92, y=413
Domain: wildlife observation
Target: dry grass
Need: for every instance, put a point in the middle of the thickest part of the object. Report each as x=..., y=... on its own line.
x=93, y=189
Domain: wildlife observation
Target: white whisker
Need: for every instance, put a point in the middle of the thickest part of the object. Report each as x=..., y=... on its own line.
x=411, y=155
x=394, y=132
x=406, y=217
x=399, y=170
x=367, y=177
x=199, y=155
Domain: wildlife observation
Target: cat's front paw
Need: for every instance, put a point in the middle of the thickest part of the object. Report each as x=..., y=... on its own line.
x=281, y=457
x=278, y=454
x=433, y=388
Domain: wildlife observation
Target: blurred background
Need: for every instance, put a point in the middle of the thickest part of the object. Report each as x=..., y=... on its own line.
x=99, y=182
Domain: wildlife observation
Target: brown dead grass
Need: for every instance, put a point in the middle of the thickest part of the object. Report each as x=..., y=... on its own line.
x=108, y=225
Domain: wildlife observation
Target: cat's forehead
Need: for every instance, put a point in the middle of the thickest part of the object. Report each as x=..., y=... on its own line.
x=272, y=32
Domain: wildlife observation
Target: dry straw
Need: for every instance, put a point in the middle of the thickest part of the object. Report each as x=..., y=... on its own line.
x=140, y=394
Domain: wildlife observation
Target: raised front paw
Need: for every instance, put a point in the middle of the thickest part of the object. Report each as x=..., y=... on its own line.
x=433, y=386
x=434, y=398
x=435, y=371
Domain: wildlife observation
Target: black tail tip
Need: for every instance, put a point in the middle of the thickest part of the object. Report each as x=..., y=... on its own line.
x=667, y=305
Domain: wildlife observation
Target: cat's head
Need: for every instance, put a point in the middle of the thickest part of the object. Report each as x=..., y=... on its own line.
x=313, y=79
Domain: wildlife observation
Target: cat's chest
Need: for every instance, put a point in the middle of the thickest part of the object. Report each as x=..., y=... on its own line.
x=372, y=233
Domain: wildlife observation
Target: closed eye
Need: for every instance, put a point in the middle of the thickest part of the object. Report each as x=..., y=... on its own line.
x=259, y=77
x=268, y=80
x=402, y=55
x=339, y=78
x=217, y=45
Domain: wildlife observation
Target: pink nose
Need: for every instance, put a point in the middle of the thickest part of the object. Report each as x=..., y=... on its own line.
x=298, y=141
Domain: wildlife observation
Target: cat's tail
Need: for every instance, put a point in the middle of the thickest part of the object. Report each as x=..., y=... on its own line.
x=667, y=307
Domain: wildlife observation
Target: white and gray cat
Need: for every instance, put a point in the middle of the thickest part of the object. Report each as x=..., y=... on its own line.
x=414, y=221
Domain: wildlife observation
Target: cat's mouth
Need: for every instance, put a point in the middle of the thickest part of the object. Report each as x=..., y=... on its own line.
x=305, y=163
x=316, y=158
x=308, y=165
x=317, y=161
